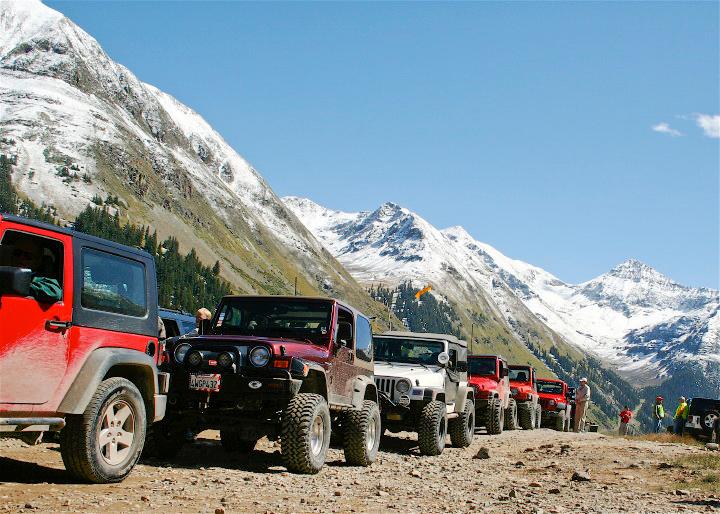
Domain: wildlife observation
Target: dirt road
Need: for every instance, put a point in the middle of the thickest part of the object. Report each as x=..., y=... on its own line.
x=527, y=471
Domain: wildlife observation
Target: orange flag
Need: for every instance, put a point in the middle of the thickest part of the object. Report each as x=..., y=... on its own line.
x=423, y=291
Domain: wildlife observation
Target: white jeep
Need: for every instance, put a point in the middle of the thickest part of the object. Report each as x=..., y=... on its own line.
x=423, y=387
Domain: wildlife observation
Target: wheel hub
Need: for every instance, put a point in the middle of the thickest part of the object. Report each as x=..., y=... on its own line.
x=317, y=435
x=117, y=432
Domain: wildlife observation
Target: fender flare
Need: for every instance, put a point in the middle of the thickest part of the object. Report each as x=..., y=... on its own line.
x=316, y=381
x=104, y=362
x=362, y=386
x=464, y=394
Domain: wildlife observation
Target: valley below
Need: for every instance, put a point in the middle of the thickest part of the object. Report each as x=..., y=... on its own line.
x=526, y=471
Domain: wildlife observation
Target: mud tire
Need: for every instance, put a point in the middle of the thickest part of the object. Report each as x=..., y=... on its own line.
x=495, y=418
x=300, y=451
x=526, y=415
x=462, y=428
x=432, y=429
x=163, y=442
x=362, y=430
x=511, y=415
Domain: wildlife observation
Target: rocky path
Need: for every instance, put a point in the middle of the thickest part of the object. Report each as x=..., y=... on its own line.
x=527, y=471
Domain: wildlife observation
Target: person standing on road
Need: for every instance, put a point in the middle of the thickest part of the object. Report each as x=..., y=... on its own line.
x=658, y=414
x=625, y=417
x=681, y=415
x=582, y=398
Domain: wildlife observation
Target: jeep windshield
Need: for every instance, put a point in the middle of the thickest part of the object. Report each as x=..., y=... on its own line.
x=410, y=351
x=520, y=374
x=482, y=366
x=302, y=320
x=550, y=387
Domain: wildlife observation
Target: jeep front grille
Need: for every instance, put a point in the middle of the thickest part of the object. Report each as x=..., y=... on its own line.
x=386, y=385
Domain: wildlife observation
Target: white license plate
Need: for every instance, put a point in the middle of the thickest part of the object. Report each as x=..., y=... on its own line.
x=209, y=382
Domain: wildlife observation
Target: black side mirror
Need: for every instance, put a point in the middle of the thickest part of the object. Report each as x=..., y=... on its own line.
x=15, y=281
x=504, y=372
x=344, y=333
x=205, y=326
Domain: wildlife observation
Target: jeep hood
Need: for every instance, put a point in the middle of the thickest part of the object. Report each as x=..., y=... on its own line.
x=484, y=383
x=419, y=376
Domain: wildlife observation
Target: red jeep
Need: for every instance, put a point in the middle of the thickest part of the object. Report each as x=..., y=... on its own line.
x=494, y=407
x=79, y=346
x=555, y=405
x=523, y=388
x=292, y=367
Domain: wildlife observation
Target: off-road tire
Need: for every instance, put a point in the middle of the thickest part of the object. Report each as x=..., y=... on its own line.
x=708, y=429
x=163, y=442
x=361, y=435
x=233, y=443
x=432, y=428
x=526, y=415
x=79, y=440
x=495, y=418
x=511, y=415
x=462, y=428
x=295, y=437
x=560, y=422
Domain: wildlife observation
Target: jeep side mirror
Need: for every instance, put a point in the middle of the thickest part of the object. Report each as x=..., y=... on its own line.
x=344, y=333
x=205, y=326
x=443, y=358
x=15, y=281
x=504, y=371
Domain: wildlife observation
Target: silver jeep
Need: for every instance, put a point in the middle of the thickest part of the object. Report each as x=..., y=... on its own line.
x=423, y=387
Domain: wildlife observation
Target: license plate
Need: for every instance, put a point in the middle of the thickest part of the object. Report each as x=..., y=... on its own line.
x=209, y=382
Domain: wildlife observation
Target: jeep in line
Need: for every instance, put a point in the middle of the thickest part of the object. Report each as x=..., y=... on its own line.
x=293, y=368
x=555, y=404
x=495, y=407
x=79, y=346
x=423, y=386
x=523, y=388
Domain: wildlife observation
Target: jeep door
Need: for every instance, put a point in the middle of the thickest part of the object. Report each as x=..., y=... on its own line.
x=35, y=329
x=341, y=372
x=453, y=375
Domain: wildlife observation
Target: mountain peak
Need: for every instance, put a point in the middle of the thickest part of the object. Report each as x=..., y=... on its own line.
x=636, y=271
x=21, y=20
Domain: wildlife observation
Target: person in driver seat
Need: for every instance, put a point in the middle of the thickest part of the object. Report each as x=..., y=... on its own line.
x=29, y=255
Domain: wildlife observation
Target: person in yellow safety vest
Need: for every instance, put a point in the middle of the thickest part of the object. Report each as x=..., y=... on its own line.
x=659, y=414
x=681, y=415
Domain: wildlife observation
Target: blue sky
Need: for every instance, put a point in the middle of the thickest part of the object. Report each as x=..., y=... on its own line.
x=529, y=124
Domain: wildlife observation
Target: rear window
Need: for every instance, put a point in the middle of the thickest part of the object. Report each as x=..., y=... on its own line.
x=113, y=284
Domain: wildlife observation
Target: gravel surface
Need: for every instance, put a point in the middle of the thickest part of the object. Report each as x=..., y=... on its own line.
x=520, y=471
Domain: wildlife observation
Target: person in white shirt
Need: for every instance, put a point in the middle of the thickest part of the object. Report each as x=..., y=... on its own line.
x=582, y=399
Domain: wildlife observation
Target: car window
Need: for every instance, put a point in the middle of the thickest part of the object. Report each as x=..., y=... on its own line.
x=42, y=255
x=363, y=339
x=113, y=284
x=482, y=366
x=520, y=374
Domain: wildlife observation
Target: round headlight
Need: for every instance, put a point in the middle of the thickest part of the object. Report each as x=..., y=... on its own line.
x=403, y=386
x=194, y=359
x=181, y=351
x=551, y=402
x=225, y=359
x=259, y=356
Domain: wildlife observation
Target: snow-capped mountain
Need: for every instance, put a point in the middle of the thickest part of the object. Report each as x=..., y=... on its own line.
x=632, y=317
x=82, y=128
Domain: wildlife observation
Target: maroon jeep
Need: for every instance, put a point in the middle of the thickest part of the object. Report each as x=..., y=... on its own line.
x=79, y=346
x=523, y=388
x=494, y=407
x=294, y=367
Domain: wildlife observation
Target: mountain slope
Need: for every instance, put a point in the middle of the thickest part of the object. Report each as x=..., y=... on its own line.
x=632, y=318
x=84, y=129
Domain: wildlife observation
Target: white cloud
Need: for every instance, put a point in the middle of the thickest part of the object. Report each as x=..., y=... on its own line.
x=664, y=128
x=709, y=123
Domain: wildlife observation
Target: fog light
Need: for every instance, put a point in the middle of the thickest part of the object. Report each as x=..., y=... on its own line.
x=194, y=359
x=226, y=359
